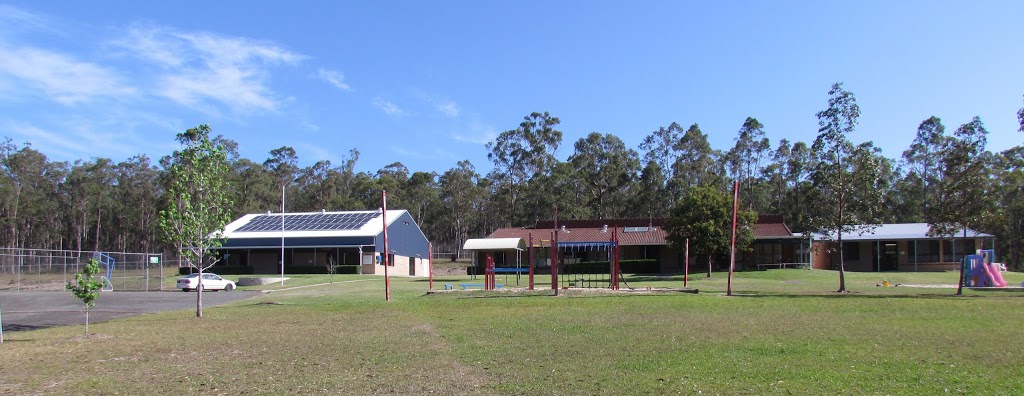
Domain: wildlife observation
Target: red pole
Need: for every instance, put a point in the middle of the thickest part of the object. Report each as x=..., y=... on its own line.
x=430, y=263
x=554, y=257
x=529, y=253
x=614, y=281
x=732, y=248
x=686, y=266
x=384, y=218
x=489, y=274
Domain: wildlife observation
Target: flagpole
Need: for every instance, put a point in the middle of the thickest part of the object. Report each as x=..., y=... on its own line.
x=282, y=235
x=384, y=218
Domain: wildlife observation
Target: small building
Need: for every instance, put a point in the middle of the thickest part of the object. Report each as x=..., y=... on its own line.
x=353, y=240
x=898, y=247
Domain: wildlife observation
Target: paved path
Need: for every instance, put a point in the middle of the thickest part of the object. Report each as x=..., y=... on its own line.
x=39, y=309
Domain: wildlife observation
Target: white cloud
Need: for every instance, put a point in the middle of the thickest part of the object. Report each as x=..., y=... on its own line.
x=449, y=108
x=476, y=133
x=60, y=77
x=388, y=108
x=14, y=18
x=446, y=107
x=204, y=69
x=335, y=78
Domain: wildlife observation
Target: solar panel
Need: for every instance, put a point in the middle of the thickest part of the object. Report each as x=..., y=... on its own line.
x=309, y=222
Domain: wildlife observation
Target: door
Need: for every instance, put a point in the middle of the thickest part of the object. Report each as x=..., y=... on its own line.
x=412, y=266
x=886, y=256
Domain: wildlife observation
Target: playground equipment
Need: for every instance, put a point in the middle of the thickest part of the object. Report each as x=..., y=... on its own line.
x=981, y=271
x=108, y=262
x=590, y=274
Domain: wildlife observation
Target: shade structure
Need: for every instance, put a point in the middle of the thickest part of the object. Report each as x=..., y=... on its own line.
x=495, y=244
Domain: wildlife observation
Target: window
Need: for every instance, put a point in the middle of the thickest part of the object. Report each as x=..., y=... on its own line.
x=851, y=251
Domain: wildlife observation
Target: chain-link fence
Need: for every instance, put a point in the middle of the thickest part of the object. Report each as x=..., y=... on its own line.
x=40, y=269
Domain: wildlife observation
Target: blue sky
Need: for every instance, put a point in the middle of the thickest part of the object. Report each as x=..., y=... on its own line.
x=428, y=83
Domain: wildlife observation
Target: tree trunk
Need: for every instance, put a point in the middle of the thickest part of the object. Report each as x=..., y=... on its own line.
x=199, y=290
x=709, y=265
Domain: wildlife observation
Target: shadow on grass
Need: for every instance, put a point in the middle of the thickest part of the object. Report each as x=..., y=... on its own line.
x=21, y=327
x=854, y=295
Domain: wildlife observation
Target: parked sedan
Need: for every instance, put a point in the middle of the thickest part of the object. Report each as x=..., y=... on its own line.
x=210, y=282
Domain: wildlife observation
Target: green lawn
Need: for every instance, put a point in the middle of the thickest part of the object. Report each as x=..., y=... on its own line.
x=785, y=332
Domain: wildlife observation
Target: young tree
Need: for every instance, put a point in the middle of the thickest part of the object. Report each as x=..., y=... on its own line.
x=86, y=288
x=837, y=211
x=704, y=216
x=198, y=206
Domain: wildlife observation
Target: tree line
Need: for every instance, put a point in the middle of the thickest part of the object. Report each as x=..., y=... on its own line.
x=947, y=179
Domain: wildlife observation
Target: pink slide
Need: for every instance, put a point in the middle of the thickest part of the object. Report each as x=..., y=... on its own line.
x=994, y=274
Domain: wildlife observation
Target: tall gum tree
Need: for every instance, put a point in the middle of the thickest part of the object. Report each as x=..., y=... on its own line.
x=836, y=184
x=522, y=154
x=198, y=205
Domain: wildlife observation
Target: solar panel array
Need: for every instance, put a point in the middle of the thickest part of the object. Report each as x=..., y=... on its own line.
x=309, y=222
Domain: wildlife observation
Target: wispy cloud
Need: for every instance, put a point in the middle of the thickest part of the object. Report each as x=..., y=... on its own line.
x=335, y=78
x=446, y=107
x=449, y=108
x=14, y=18
x=203, y=69
x=388, y=108
x=59, y=77
x=476, y=132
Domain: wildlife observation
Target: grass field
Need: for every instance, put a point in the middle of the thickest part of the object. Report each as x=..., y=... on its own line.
x=784, y=332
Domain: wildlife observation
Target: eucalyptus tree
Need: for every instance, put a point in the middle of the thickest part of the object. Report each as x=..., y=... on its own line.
x=697, y=163
x=521, y=154
x=650, y=194
x=1007, y=219
x=422, y=201
x=30, y=184
x=136, y=194
x=964, y=186
x=394, y=178
x=837, y=211
x=88, y=187
x=283, y=164
x=460, y=196
x=607, y=170
x=314, y=191
x=661, y=148
x=198, y=205
x=745, y=162
x=924, y=172
x=253, y=188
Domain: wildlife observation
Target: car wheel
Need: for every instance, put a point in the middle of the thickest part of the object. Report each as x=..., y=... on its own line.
x=201, y=288
x=185, y=290
x=229, y=287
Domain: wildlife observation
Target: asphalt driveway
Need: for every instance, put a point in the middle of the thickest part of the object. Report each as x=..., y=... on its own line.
x=39, y=309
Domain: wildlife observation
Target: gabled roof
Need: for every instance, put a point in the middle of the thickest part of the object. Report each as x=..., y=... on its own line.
x=366, y=223
x=903, y=231
x=628, y=236
x=647, y=236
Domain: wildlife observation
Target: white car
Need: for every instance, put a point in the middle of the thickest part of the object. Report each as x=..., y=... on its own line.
x=210, y=282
